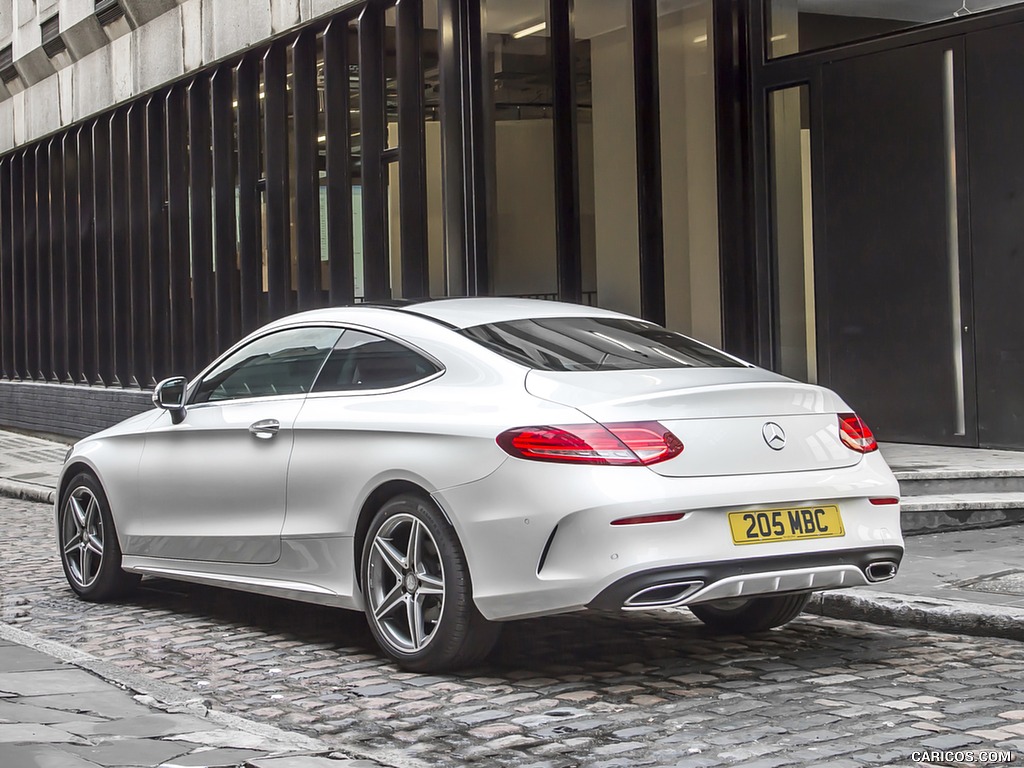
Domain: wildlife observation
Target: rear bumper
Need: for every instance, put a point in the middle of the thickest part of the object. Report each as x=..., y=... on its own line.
x=539, y=540
x=665, y=587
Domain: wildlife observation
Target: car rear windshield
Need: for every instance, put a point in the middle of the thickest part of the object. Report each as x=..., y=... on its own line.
x=595, y=344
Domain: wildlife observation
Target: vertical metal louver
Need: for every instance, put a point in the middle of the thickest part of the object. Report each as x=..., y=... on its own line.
x=7, y=70
x=107, y=11
x=53, y=43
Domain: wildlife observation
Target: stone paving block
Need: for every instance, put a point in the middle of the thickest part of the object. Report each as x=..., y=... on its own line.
x=145, y=726
x=17, y=658
x=131, y=752
x=14, y=711
x=308, y=761
x=951, y=741
x=45, y=682
x=212, y=758
x=35, y=733
x=39, y=756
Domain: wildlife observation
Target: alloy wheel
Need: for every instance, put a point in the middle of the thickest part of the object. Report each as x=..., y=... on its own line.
x=82, y=536
x=405, y=583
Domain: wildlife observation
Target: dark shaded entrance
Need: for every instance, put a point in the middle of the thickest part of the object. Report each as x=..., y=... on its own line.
x=892, y=340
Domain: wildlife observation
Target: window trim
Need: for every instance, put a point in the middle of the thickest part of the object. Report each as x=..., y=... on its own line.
x=193, y=386
x=441, y=369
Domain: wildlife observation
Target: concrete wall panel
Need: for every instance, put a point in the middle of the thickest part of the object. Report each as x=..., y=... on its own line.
x=284, y=14
x=162, y=53
x=94, y=84
x=66, y=87
x=232, y=27
x=42, y=107
x=73, y=12
x=121, y=67
x=192, y=33
x=18, y=100
x=6, y=125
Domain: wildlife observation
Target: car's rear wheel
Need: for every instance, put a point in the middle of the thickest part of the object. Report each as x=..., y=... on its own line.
x=89, y=550
x=419, y=598
x=755, y=614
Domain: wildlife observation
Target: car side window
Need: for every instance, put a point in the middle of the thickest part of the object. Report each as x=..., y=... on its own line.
x=363, y=361
x=281, y=363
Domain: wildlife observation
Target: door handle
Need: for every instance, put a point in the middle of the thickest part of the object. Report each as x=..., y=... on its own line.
x=264, y=430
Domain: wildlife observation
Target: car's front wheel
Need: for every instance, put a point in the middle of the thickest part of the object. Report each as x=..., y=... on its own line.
x=89, y=550
x=418, y=594
x=755, y=614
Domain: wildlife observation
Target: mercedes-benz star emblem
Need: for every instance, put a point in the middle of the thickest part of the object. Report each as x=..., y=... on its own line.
x=774, y=435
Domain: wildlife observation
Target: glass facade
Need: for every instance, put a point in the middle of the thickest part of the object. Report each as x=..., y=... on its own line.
x=798, y=26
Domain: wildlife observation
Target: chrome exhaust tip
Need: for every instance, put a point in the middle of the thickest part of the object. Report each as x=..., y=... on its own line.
x=662, y=595
x=880, y=571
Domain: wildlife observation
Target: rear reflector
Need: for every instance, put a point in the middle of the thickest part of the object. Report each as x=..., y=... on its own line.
x=884, y=501
x=855, y=434
x=623, y=444
x=644, y=519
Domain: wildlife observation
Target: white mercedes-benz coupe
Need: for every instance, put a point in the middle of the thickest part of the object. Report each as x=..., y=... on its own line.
x=449, y=465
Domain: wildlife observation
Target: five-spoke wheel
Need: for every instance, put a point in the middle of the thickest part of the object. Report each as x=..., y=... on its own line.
x=89, y=550
x=82, y=536
x=418, y=594
x=405, y=579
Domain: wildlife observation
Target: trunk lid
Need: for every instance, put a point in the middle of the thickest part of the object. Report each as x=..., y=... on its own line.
x=725, y=417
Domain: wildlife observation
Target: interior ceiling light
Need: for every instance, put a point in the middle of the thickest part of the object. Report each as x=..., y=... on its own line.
x=530, y=30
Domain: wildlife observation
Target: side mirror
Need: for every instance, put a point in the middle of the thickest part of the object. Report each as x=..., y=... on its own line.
x=170, y=395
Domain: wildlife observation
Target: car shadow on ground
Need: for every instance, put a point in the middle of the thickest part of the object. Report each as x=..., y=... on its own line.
x=590, y=644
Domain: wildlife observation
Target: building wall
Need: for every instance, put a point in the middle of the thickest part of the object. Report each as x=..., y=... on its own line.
x=156, y=42
x=73, y=411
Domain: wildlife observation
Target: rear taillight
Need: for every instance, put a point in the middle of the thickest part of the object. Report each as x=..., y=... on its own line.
x=855, y=434
x=630, y=443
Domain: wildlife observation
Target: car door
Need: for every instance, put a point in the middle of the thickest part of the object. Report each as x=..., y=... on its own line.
x=213, y=487
x=350, y=430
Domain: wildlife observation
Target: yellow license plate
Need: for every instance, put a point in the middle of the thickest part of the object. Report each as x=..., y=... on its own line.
x=786, y=524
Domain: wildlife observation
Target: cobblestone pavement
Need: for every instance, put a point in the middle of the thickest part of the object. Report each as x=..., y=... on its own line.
x=650, y=689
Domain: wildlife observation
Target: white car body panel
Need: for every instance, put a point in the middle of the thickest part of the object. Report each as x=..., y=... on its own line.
x=236, y=513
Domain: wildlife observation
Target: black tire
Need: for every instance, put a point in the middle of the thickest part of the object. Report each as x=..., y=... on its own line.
x=92, y=563
x=452, y=633
x=756, y=614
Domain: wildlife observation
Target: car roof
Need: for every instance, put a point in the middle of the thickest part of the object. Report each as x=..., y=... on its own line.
x=470, y=311
x=455, y=313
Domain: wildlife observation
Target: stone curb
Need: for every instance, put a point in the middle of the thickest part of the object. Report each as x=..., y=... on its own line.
x=26, y=491
x=920, y=613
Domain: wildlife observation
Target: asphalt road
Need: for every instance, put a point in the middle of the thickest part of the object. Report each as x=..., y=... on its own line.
x=651, y=689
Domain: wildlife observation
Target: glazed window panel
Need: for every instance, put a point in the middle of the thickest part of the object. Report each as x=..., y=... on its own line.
x=797, y=26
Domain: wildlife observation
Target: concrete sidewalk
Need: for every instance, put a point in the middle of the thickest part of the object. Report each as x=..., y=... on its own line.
x=64, y=708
